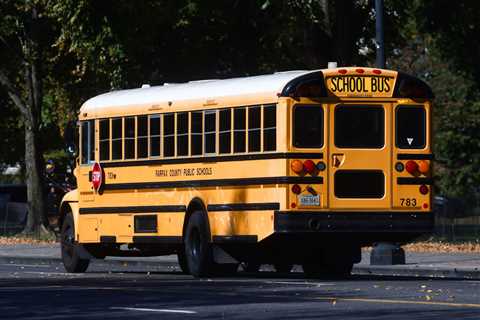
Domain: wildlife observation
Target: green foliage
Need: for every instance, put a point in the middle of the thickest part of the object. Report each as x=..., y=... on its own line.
x=89, y=47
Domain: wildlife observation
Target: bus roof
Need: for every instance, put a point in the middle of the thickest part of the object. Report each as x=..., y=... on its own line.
x=264, y=88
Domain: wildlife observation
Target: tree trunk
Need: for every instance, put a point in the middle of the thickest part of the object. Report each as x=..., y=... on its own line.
x=36, y=219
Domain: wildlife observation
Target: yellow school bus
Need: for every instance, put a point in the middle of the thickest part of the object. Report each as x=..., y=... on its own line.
x=297, y=167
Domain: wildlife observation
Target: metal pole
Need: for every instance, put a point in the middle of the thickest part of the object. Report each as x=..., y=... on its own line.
x=380, y=62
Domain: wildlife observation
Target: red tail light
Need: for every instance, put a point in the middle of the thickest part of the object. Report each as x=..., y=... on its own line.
x=376, y=71
x=411, y=167
x=423, y=189
x=296, y=189
x=309, y=166
x=342, y=71
x=360, y=70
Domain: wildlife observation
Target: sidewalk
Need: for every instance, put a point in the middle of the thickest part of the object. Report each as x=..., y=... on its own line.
x=434, y=265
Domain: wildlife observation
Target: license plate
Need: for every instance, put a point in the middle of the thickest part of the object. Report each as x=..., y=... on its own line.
x=309, y=200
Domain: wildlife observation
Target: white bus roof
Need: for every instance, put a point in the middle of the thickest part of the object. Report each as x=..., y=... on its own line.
x=262, y=89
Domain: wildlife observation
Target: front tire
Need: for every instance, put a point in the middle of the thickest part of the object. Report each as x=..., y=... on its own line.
x=182, y=260
x=70, y=258
x=198, y=247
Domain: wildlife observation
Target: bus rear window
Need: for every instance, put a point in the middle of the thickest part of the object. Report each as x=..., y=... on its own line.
x=358, y=126
x=308, y=126
x=411, y=127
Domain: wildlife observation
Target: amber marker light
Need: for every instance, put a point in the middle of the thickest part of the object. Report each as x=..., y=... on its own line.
x=411, y=167
x=423, y=166
x=297, y=166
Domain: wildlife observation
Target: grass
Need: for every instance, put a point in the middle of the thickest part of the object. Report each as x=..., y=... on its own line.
x=422, y=246
x=12, y=240
x=443, y=247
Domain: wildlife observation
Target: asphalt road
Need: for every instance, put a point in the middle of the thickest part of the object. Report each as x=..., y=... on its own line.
x=130, y=292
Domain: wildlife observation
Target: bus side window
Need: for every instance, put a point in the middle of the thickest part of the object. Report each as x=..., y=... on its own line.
x=117, y=139
x=269, y=128
x=197, y=133
x=182, y=134
x=239, y=138
x=169, y=135
x=210, y=131
x=155, y=135
x=105, y=139
x=225, y=131
x=254, y=129
x=129, y=129
x=88, y=142
x=142, y=137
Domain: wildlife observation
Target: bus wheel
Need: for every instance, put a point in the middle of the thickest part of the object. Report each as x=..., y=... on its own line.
x=182, y=260
x=198, y=249
x=283, y=267
x=70, y=258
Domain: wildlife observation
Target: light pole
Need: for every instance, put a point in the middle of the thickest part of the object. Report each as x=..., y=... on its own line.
x=380, y=61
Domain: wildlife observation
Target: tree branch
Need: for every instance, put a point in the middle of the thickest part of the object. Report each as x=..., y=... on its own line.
x=13, y=93
x=12, y=50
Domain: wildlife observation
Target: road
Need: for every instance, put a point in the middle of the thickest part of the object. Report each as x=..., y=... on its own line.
x=130, y=292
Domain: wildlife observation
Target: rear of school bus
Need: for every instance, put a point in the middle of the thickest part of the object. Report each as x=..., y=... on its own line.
x=364, y=134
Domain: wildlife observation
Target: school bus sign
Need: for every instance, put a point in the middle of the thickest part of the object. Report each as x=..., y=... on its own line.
x=360, y=85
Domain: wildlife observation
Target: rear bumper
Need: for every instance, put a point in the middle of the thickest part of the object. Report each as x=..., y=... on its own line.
x=353, y=222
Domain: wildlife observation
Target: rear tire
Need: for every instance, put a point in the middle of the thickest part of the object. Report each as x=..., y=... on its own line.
x=198, y=247
x=70, y=258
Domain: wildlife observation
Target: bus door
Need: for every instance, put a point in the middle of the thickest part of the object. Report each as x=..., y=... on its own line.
x=359, y=156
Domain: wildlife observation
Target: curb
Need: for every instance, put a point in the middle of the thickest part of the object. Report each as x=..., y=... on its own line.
x=423, y=271
x=417, y=271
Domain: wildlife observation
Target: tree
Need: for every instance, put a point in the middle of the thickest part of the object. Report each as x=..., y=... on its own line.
x=22, y=33
x=44, y=52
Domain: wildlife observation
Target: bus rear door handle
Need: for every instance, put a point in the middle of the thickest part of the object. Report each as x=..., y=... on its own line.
x=337, y=160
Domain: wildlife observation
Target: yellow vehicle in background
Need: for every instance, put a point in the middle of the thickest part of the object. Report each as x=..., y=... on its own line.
x=297, y=167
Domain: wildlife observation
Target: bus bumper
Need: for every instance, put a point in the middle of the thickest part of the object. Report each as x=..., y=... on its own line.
x=353, y=222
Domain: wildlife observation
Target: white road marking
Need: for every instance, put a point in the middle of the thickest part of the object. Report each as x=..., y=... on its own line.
x=25, y=265
x=431, y=303
x=300, y=283
x=55, y=273
x=153, y=310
